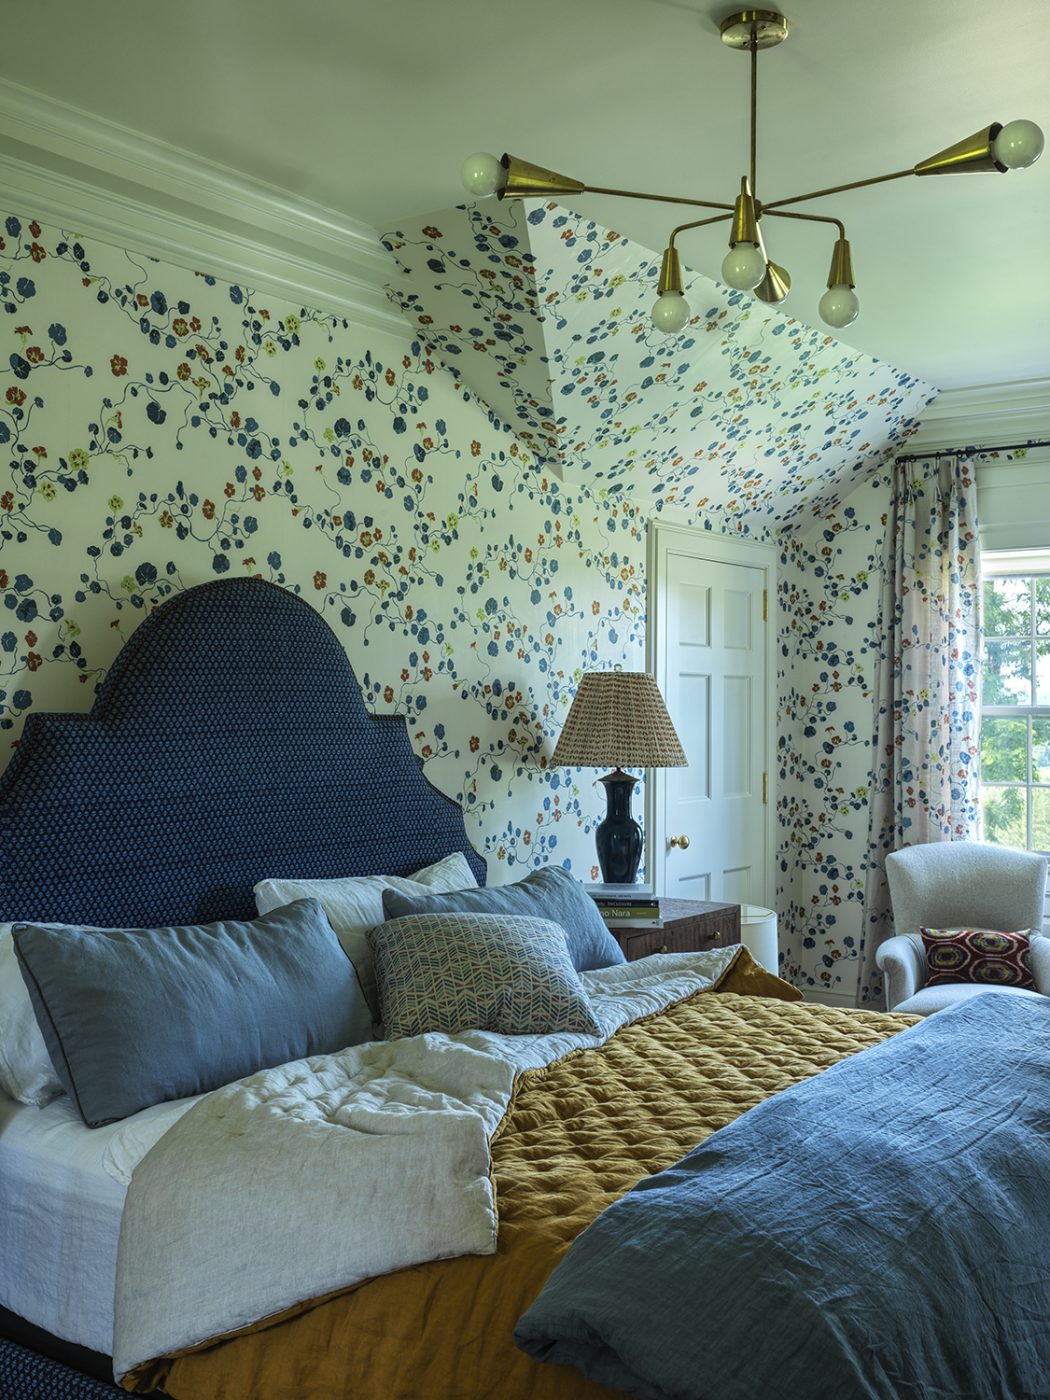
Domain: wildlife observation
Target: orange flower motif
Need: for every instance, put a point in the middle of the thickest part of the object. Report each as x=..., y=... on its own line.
x=475, y=448
x=33, y=661
x=388, y=693
x=118, y=364
x=390, y=377
x=208, y=510
x=320, y=579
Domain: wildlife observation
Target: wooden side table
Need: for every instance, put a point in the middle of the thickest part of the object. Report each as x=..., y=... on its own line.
x=690, y=926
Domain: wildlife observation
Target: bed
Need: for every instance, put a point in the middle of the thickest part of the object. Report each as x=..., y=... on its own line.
x=235, y=721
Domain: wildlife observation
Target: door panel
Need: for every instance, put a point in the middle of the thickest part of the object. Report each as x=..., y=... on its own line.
x=712, y=669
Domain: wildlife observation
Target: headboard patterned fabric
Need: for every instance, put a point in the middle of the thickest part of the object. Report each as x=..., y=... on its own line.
x=228, y=744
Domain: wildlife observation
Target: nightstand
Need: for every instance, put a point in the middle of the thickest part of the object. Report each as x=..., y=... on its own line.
x=690, y=926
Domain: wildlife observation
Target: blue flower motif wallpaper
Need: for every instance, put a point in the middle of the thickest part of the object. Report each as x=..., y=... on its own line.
x=467, y=505
x=748, y=420
x=162, y=428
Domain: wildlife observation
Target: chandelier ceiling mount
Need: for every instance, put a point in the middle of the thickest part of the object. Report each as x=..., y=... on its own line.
x=747, y=266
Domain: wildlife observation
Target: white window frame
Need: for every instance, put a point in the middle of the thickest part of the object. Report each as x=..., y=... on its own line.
x=1016, y=563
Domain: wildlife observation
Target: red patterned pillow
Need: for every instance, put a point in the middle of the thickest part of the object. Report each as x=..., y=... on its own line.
x=977, y=955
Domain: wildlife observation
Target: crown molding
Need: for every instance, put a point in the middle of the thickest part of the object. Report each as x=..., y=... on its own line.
x=985, y=414
x=95, y=177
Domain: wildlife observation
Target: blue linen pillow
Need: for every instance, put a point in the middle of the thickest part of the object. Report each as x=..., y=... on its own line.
x=134, y=1017
x=548, y=893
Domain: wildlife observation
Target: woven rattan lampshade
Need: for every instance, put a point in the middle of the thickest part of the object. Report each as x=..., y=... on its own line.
x=619, y=718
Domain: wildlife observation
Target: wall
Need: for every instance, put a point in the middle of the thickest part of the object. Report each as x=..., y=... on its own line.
x=830, y=642
x=163, y=428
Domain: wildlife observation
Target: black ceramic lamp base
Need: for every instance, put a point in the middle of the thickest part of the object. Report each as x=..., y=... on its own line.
x=618, y=837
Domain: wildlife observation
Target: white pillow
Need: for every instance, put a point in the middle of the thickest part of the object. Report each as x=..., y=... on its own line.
x=26, y=1071
x=354, y=904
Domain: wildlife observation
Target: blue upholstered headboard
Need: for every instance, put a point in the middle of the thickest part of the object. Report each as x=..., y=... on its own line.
x=228, y=744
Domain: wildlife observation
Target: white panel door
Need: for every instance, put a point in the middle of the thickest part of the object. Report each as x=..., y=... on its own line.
x=711, y=665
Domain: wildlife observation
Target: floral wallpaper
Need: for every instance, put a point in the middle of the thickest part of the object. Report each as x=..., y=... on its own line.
x=863, y=740
x=748, y=420
x=830, y=646
x=162, y=428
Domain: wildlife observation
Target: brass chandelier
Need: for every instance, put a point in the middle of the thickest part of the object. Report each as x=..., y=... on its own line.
x=747, y=266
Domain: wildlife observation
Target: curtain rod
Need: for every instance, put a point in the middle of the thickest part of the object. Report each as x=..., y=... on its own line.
x=971, y=451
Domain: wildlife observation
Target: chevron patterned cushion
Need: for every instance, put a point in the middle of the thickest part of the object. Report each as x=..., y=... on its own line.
x=977, y=955
x=458, y=972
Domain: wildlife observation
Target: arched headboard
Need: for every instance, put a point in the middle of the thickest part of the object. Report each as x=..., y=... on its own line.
x=228, y=744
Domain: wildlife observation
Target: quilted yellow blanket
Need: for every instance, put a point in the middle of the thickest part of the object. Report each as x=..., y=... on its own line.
x=577, y=1135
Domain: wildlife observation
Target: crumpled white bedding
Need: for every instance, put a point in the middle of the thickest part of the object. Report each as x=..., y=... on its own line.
x=312, y=1176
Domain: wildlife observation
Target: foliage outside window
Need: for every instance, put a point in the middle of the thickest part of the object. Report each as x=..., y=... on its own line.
x=1015, y=710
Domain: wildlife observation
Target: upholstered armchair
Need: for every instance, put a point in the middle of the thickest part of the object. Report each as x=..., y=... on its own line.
x=959, y=884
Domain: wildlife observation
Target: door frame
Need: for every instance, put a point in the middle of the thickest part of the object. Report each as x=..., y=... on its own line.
x=665, y=539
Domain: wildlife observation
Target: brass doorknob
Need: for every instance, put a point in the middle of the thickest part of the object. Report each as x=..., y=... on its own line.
x=680, y=841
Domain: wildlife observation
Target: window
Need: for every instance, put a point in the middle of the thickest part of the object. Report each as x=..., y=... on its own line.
x=1015, y=709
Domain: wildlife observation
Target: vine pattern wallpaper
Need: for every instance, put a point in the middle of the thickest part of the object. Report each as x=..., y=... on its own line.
x=161, y=428
x=748, y=420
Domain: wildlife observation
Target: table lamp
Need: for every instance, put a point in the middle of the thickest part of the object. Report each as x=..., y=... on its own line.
x=619, y=717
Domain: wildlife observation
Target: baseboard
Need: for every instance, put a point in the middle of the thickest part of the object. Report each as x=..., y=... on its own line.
x=840, y=999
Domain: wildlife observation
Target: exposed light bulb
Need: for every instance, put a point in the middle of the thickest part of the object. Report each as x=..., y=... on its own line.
x=744, y=266
x=1018, y=145
x=839, y=306
x=670, y=312
x=482, y=174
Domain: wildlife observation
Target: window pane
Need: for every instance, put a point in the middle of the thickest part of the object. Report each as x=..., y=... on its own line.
x=1041, y=819
x=1007, y=673
x=1042, y=605
x=1042, y=673
x=1007, y=607
x=1004, y=815
x=1040, y=750
x=1004, y=750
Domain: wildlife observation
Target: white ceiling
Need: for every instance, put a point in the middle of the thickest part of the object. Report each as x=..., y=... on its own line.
x=370, y=108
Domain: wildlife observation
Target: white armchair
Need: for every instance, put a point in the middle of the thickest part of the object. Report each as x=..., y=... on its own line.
x=959, y=884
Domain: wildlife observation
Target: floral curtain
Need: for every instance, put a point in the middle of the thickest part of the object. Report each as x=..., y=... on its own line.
x=925, y=757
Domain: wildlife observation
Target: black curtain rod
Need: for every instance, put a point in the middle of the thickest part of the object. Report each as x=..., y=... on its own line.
x=971, y=451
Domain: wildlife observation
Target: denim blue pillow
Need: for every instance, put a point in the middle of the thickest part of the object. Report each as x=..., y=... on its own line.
x=549, y=893
x=133, y=1017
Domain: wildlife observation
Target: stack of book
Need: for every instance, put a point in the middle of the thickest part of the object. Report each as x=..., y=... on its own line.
x=627, y=906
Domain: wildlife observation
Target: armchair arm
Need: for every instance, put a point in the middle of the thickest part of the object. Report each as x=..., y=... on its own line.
x=903, y=966
x=1039, y=961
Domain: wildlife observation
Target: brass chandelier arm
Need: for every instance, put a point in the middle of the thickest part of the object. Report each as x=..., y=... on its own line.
x=810, y=218
x=836, y=189
x=697, y=223
x=659, y=198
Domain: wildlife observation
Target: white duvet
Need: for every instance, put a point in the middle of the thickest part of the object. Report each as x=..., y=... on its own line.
x=310, y=1177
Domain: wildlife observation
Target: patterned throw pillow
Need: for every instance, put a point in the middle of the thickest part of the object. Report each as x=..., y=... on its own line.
x=459, y=972
x=977, y=955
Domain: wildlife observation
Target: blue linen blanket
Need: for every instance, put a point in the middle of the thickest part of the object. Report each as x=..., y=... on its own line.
x=881, y=1230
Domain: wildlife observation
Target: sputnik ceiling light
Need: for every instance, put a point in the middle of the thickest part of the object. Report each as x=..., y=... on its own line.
x=746, y=265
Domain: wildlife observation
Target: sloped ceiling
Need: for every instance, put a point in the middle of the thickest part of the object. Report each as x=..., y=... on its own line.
x=747, y=414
